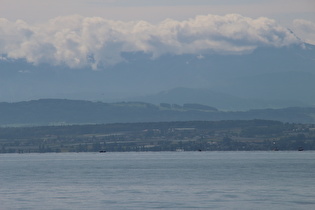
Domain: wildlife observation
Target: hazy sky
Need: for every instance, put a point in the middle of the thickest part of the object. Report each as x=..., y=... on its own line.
x=284, y=11
x=93, y=32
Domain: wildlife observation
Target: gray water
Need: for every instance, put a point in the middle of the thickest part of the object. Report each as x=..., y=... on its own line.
x=149, y=180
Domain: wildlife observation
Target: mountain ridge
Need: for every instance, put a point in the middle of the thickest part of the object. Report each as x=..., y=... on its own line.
x=220, y=100
x=266, y=74
x=64, y=111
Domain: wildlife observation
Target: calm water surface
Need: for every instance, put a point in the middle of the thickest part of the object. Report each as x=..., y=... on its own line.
x=149, y=180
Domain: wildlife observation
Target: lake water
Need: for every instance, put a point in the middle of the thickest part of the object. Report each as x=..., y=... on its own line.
x=151, y=180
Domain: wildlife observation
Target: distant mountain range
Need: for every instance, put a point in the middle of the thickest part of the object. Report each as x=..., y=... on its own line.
x=264, y=78
x=59, y=112
x=217, y=99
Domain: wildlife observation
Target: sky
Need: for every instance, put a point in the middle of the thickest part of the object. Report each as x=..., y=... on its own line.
x=94, y=32
x=284, y=11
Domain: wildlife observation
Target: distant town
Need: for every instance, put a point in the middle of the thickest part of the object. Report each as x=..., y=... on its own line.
x=230, y=135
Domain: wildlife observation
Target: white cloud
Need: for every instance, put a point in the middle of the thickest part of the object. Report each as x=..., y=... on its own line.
x=305, y=30
x=93, y=41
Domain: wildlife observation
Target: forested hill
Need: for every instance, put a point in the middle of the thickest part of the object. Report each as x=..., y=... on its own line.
x=61, y=111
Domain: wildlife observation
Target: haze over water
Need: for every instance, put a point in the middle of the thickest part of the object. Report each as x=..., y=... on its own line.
x=171, y=180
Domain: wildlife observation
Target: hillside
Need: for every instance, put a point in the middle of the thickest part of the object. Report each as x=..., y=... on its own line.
x=160, y=136
x=60, y=111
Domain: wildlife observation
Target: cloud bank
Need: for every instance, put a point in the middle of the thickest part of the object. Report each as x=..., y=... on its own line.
x=78, y=41
x=305, y=29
